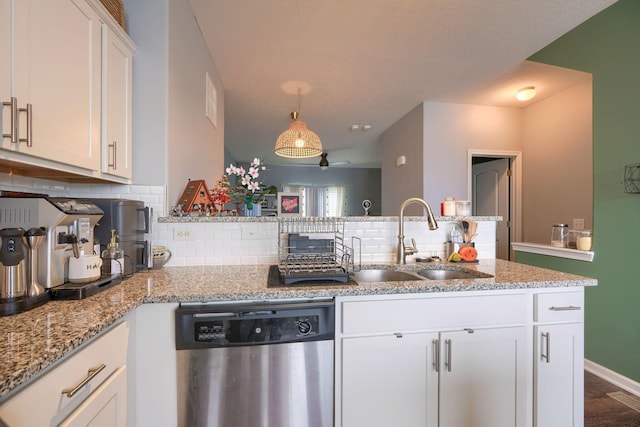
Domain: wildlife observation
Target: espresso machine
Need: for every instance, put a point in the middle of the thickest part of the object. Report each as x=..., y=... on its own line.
x=69, y=232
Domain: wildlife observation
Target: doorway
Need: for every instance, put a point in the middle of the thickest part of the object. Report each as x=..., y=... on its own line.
x=495, y=190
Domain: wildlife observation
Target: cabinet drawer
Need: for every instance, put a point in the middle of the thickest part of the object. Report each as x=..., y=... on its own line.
x=559, y=307
x=432, y=313
x=109, y=349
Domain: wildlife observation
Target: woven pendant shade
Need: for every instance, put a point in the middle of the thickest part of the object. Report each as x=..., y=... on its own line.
x=298, y=142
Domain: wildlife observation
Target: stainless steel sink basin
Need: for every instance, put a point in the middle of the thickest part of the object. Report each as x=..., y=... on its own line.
x=440, y=274
x=384, y=276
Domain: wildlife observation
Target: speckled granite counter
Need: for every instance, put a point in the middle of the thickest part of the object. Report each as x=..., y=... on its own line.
x=35, y=340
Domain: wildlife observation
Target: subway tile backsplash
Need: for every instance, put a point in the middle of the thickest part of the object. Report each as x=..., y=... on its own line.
x=225, y=243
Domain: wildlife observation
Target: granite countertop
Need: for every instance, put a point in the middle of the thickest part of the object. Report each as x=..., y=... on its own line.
x=34, y=340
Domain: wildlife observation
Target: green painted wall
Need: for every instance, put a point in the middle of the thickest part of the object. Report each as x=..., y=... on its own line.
x=608, y=46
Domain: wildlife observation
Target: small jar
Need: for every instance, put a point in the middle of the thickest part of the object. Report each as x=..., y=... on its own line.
x=559, y=235
x=584, y=240
x=448, y=207
x=463, y=208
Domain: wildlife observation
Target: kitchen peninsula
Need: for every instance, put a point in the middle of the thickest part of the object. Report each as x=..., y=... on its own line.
x=34, y=342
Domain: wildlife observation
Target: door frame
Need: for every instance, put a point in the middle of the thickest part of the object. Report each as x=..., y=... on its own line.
x=515, y=196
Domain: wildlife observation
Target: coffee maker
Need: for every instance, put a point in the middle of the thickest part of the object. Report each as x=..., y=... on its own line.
x=130, y=220
x=68, y=223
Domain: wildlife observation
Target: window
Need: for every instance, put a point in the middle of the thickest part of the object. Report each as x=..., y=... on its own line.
x=321, y=200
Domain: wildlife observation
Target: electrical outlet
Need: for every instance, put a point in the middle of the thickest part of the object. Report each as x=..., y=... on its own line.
x=183, y=235
x=578, y=223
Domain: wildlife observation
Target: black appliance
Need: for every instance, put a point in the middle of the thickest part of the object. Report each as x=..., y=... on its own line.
x=131, y=220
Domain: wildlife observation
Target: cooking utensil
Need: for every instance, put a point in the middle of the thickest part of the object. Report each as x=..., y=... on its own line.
x=472, y=233
x=465, y=229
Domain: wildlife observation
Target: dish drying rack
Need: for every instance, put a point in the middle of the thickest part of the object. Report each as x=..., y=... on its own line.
x=314, y=249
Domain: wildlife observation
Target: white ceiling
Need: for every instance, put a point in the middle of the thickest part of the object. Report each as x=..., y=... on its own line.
x=372, y=61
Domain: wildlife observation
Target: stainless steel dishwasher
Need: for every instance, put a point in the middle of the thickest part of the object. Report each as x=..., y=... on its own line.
x=262, y=364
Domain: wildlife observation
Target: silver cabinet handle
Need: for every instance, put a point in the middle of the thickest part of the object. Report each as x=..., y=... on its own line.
x=398, y=334
x=13, y=134
x=436, y=355
x=547, y=347
x=28, y=139
x=71, y=391
x=114, y=152
x=565, y=308
x=447, y=344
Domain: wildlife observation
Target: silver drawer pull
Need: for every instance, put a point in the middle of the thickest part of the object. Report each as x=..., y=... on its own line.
x=71, y=391
x=565, y=308
x=14, y=120
x=547, y=354
x=29, y=138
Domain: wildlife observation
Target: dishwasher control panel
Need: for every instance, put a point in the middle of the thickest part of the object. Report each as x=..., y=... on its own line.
x=262, y=330
x=228, y=325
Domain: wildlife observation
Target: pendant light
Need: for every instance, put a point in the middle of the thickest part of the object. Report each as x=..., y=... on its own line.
x=298, y=142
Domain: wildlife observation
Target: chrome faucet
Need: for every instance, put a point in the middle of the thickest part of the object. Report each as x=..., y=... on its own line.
x=403, y=250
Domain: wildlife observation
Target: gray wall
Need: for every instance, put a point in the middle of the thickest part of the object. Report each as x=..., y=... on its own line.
x=404, y=138
x=362, y=183
x=173, y=140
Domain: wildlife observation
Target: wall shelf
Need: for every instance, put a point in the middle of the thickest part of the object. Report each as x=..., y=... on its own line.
x=536, y=248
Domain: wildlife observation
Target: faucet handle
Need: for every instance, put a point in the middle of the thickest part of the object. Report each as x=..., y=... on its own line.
x=410, y=250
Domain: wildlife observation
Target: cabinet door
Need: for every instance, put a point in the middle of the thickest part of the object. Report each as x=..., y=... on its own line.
x=559, y=377
x=483, y=378
x=116, y=105
x=56, y=69
x=389, y=381
x=6, y=12
x=106, y=407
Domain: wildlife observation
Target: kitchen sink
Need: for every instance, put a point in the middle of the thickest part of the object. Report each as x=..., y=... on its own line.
x=440, y=274
x=382, y=275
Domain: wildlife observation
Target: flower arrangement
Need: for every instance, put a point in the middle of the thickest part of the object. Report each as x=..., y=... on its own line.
x=248, y=188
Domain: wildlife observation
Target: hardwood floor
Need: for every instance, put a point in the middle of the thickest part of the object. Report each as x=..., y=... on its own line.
x=601, y=410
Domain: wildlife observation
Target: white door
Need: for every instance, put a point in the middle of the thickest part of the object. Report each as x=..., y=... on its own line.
x=56, y=69
x=116, y=100
x=483, y=378
x=105, y=407
x=490, y=197
x=6, y=7
x=389, y=381
x=559, y=375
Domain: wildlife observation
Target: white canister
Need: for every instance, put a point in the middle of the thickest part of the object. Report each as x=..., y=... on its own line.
x=449, y=207
x=463, y=208
x=85, y=268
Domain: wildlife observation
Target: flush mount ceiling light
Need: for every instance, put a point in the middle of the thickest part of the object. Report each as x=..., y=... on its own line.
x=298, y=142
x=526, y=93
x=324, y=163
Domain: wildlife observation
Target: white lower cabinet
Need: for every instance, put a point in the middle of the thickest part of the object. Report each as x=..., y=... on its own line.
x=106, y=407
x=89, y=388
x=559, y=360
x=389, y=380
x=466, y=376
x=483, y=378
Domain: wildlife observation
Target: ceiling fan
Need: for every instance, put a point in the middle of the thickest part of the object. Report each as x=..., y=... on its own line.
x=324, y=162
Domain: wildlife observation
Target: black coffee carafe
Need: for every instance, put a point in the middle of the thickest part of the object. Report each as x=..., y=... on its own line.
x=13, y=279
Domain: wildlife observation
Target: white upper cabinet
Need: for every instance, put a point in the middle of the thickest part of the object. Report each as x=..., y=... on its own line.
x=67, y=64
x=56, y=75
x=116, y=104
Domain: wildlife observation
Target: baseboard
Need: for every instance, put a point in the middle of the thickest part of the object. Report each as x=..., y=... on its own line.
x=614, y=378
